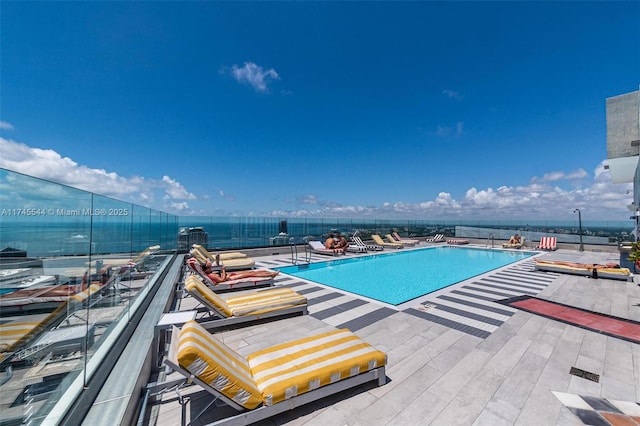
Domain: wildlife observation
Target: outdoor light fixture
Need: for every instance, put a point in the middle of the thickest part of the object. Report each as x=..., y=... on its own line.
x=580, y=227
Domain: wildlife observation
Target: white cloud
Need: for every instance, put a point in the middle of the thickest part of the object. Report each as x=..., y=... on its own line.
x=448, y=131
x=5, y=125
x=254, y=75
x=558, y=175
x=49, y=165
x=452, y=94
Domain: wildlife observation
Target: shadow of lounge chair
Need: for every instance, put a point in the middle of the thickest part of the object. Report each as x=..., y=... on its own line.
x=249, y=306
x=276, y=379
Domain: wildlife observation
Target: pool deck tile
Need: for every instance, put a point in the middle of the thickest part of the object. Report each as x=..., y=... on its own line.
x=457, y=357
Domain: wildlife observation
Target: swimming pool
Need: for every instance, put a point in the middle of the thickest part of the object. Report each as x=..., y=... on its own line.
x=398, y=277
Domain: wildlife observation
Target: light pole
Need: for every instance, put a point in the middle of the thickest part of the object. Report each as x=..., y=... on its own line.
x=580, y=228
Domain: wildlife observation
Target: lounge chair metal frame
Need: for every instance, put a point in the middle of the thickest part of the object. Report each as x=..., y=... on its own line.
x=245, y=417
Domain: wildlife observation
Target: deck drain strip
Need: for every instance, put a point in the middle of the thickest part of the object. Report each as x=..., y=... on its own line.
x=620, y=328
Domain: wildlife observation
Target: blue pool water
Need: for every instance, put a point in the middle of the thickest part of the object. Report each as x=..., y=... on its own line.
x=398, y=277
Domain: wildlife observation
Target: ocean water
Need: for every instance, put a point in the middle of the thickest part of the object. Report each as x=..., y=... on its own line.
x=42, y=238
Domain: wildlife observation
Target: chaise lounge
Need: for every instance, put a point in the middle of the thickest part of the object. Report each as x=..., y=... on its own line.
x=548, y=243
x=231, y=261
x=390, y=239
x=276, y=379
x=249, y=306
x=319, y=248
x=438, y=238
x=379, y=241
x=407, y=241
x=613, y=272
x=514, y=245
x=243, y=283
x=369, y=247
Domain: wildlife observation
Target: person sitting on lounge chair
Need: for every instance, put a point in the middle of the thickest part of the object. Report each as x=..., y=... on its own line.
x=515, y=239
x=222, y=275
x=580, y=265
x=341, y=242
x=331, y=243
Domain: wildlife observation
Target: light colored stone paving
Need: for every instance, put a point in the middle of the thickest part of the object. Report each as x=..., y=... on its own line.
x=441, y=376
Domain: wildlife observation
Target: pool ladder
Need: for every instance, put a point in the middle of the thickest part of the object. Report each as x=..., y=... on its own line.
x=294, y=253
x=490, y=238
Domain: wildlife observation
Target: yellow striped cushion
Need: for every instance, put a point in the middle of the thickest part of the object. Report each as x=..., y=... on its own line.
x=291, y=369
x=217, y=365
x=93, y=288
x=201, y=291
x=227, y=255
x=261, y=302
x=11, y=332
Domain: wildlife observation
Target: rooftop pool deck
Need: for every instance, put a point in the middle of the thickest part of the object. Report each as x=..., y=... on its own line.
x=456, y=356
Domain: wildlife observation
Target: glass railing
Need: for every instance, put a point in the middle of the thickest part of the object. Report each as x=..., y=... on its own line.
x=239, y=232
x=73, y=266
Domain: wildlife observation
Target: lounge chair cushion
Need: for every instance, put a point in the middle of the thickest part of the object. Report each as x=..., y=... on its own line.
x=217, y=365
x=286, y=370
x=277, y=373
x=253, y=303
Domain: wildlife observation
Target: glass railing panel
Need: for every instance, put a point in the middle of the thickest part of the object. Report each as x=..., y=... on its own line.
x=70, y=271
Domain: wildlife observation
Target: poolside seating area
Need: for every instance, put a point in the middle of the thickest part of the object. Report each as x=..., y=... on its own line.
x=477, y=383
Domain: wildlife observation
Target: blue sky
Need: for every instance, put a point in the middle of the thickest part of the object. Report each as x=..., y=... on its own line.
x=418, y=110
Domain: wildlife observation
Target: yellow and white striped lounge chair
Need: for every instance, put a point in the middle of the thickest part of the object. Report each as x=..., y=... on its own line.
x=390, y=239
x=379, y=241
x=232, y=264
x=276, y=379
x=243, y=283
x=223, y=256
x=251, y=306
